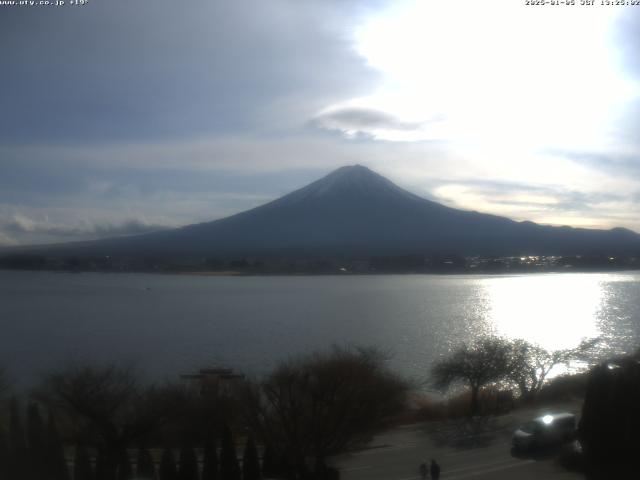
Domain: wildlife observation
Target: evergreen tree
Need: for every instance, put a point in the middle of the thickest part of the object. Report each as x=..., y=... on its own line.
x=4, y=455
x=250, y=461
x=274, y=464
x=17, y=447
x=610, y=419
x=210, y=462
x=82, y=469
x=188, y=464
x=37, y=443
x=124, y=466
x=168, y=466
x=145, y=469
x=269, y=462
x=56, y=461
x=229, y=469
x=103, y=471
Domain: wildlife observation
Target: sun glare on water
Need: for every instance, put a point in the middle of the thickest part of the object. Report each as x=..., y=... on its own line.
x=554, y=311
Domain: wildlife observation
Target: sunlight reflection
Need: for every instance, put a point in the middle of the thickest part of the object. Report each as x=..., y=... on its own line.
x=554, y=311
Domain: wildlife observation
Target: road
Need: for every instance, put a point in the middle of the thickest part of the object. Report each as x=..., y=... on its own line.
x=485, y=454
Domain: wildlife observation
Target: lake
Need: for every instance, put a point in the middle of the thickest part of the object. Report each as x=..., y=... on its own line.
x=171, y=324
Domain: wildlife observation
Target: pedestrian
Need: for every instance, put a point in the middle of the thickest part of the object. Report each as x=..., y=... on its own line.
x=423, y=470
x=435, y=470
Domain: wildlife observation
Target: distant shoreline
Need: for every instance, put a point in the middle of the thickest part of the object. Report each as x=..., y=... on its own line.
x=327, y=265
x=213, y=273
x=238, y=273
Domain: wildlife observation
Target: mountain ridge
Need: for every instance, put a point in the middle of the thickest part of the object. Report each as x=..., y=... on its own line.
x=355, y=211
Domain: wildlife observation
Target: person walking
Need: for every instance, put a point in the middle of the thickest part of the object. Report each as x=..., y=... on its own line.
x=435, y=470
x=423, y=470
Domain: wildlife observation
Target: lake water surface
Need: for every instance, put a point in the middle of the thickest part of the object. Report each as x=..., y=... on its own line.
x=171, y=324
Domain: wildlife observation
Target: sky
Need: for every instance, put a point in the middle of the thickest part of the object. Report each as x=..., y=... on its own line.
x=120, y=117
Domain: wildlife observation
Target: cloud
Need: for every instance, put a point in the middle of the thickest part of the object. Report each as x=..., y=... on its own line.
x=354, y=121
x=620, y=163
x=555, y=197
x=372, y=123
x=6, y=240
x=24, y=225
x=154, y=69
x=555, y=205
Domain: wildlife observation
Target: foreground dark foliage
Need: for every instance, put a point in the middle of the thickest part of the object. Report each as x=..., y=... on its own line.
x=305, y=411
x=229, y=468
x=611, y=420
x=320, y=405
x=145, y=469
x=34, y=454
x=210, y=460
x=188, y=464
x=4, y=455
x=125, y=472
x=56, y=462
x=250, y=461
x=82, y=469
x=168, y=469
x=108, y=407
x=17, y=443
x=37, y=442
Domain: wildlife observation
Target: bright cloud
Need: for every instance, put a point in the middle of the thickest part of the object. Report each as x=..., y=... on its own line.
x=496, y=73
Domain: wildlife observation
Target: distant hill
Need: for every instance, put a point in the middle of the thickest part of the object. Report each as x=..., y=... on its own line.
x=355, y=211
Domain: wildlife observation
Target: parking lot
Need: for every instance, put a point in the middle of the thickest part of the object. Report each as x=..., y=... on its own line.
x=479, y=451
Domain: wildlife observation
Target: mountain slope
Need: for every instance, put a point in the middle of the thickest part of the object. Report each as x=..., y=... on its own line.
x=356, y=211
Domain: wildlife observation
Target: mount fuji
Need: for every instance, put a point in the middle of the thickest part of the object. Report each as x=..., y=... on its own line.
x=355, y=211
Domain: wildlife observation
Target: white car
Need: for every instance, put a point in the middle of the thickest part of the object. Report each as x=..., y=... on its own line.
x=545, y=431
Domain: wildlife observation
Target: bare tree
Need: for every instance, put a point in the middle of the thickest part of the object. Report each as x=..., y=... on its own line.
x=322, y=404
x=477, y=365
x=531, y=364
x=110, y=403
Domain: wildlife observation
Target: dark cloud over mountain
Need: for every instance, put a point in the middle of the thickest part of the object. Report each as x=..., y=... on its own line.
x=362, y=120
